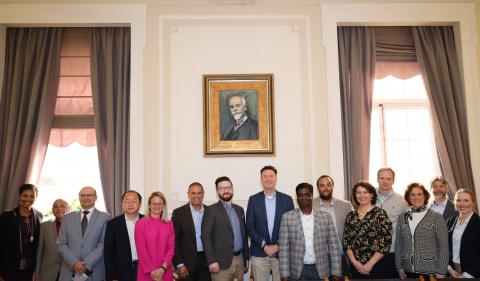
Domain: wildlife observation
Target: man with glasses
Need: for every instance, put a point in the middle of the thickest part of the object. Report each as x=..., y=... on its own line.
x=80, y=241
x=120, y=252
x=309, y=246
x=224, y=237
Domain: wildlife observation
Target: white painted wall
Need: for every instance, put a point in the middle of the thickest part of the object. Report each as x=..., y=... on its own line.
x=197, y=49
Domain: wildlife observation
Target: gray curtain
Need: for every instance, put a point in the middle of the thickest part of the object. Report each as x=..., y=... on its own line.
x=437, y=57
x=110, y=70
x=356, y=48
x=27, y=103
x=394, y=43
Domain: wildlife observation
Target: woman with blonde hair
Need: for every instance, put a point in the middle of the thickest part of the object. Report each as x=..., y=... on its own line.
x=155, y=241
x=464, y=237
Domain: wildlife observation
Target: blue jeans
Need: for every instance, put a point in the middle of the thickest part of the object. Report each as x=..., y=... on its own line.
x=309, y=272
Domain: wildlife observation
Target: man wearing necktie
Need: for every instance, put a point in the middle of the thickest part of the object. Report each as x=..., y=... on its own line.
x=80, y=240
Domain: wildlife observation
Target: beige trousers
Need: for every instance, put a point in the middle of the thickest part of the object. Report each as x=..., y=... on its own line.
x=261, y=267
x=235, y=271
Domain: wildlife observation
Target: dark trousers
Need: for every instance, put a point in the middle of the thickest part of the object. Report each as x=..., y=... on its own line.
x=309, y=272
x=383, y=269
x=134, y=270
x=200, y=272
x=345, y=266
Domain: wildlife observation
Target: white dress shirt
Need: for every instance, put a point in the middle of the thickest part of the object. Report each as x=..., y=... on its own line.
x=88, y=215
x=307, y=224
x=131, y=235
x=456, y=242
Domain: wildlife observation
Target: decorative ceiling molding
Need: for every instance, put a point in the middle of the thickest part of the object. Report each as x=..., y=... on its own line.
x=235, y=2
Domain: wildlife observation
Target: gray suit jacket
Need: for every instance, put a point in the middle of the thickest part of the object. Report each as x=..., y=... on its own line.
x=49, y=260
x=217, y=235
x=429, y=251
x=342, y=208
x=89, y=249
x=292, y=245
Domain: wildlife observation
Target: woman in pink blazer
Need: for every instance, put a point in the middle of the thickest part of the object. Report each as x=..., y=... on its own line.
x=155, y=241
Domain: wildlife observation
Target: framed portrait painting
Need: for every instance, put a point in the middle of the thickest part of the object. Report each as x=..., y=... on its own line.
x=238, y=114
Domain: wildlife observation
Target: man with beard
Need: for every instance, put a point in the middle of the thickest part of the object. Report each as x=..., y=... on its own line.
x=336, y=207
x=245, y=128
x=223, y=235
x=309, y=246
x=442, y=204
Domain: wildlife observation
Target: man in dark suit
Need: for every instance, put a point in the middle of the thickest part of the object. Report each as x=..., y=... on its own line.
x=441, y=204
x=189, y=256
x=224, y=237
x=264, y=214
x=120, y=253
x=245, y=128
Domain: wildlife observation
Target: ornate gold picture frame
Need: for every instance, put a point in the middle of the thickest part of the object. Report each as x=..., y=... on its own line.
x=238, y=114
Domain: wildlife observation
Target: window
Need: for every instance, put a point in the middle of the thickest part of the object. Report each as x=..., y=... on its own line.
x=71, y=160
x=401, y=131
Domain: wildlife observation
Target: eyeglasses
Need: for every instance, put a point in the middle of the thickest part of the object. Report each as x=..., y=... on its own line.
x=225, y=188
x=86, y=195
x=157, y=204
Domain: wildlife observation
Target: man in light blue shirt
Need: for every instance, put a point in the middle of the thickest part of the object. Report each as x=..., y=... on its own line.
x=441, y=203
x=189, y=257
x=264, y=213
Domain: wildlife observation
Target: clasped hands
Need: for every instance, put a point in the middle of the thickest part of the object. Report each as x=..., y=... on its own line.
x=363, y=268
x=270, y=250
x=80, y=267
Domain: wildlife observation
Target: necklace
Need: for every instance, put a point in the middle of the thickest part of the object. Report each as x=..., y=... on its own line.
x=29, y=229
x=364, y=212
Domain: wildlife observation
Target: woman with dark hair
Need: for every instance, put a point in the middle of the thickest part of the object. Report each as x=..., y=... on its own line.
x=367, y=235
x=421, y=247
x=19, y=233
x=155, y=241
x=464, y=237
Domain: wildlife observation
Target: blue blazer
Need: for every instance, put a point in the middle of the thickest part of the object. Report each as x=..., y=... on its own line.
x=257, y=225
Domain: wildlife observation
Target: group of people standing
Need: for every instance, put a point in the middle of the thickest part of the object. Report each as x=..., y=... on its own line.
x=386, y=235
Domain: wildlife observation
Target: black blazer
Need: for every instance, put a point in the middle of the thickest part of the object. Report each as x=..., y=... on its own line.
x=116, y=250
x=185, y=241
x=10, y=238
x=217, y=235
x=469, y=245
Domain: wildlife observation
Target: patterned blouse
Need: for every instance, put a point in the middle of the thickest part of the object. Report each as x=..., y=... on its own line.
x=366, y=236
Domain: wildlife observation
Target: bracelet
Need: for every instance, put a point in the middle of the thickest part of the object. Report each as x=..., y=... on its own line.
x=164, y=268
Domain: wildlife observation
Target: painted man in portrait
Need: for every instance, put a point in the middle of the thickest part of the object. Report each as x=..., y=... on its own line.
x=245, y=127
